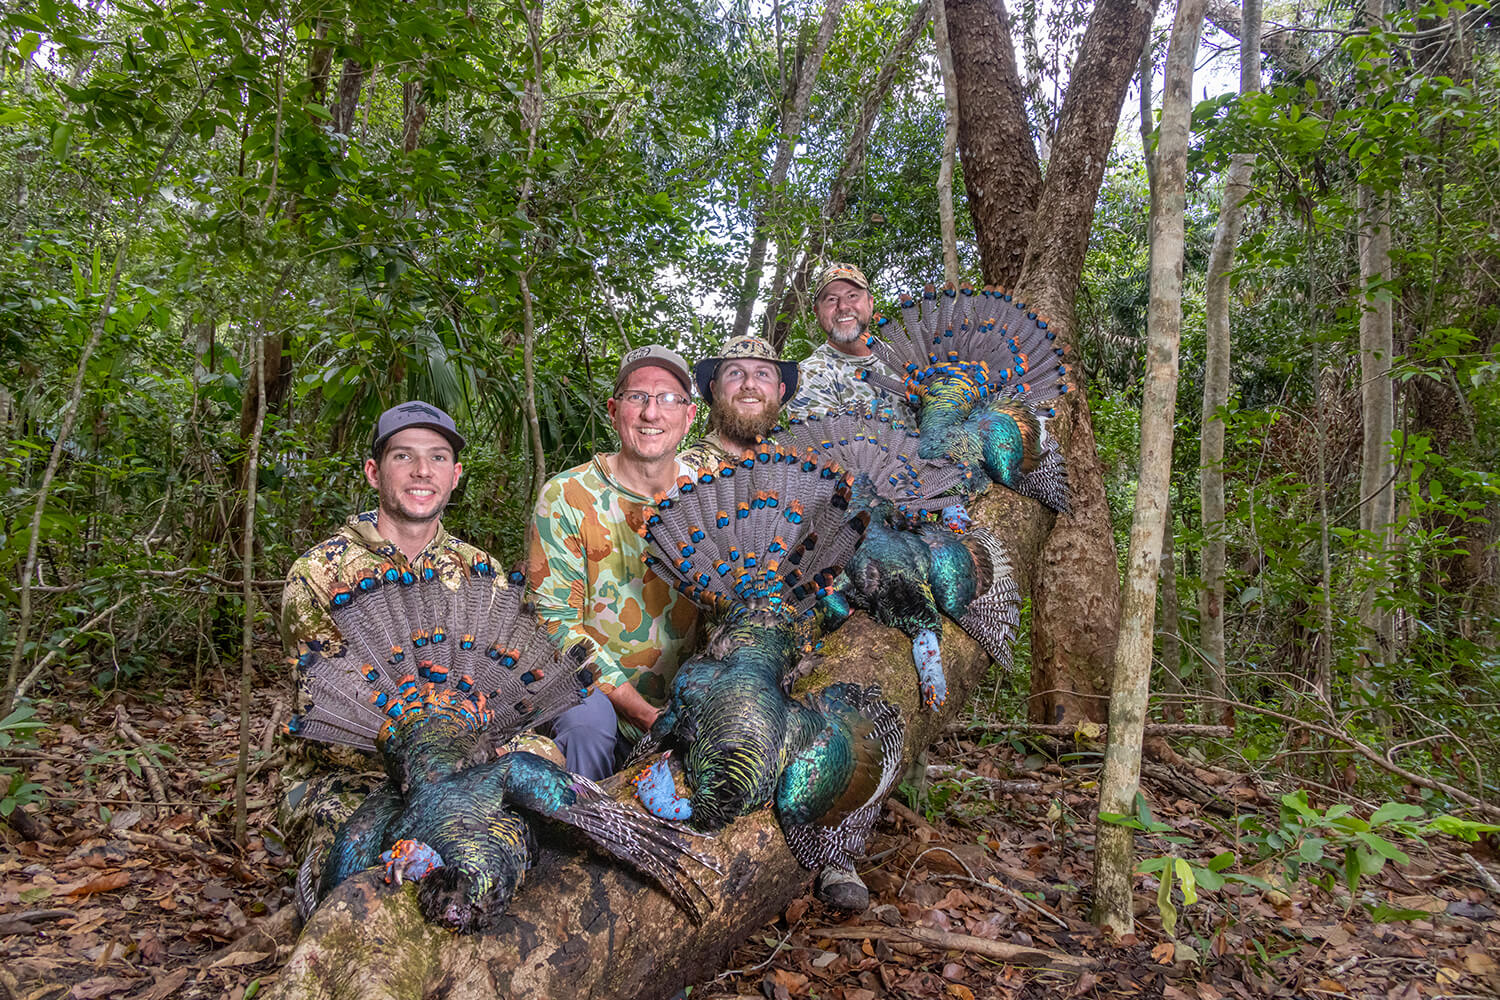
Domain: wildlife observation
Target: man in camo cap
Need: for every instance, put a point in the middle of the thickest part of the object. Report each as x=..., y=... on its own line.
x=745, y=386
x=831, y=379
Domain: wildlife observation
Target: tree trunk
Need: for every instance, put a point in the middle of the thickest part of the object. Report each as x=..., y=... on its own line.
x=1216, y=384
x=1077, y=594
x=531, y=114
x=247, y=562
x=794, y=110
x=413, y=114
x=1001, y=173
x=1377, y=515
x=1377, y=404
x=346, y=100
x=791, y=302
x=583, y=926
x=950, y=141
x=1171, y=621
x=1114, y=857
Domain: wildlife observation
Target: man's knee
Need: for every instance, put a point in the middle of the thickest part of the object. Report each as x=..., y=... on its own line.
x=586, y=734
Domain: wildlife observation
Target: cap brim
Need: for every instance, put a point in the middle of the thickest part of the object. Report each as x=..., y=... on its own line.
x=704, y=371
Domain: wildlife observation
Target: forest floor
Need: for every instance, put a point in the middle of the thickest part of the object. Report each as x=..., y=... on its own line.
x=141, y=893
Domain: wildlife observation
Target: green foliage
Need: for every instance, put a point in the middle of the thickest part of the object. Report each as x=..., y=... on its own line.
x=16, y=730
x=1326, y=847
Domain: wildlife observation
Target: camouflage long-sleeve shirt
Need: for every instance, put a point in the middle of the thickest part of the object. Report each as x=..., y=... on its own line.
x=830, y=380
x=358, y=546
x=588, y=578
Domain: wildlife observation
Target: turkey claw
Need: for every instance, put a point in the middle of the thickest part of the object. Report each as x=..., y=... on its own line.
x=409, y=859
x=658, y=792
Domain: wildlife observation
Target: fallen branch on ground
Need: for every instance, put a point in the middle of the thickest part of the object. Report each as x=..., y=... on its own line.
x=999, y=950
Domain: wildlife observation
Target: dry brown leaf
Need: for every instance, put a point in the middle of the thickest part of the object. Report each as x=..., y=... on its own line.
x=1163, y=952
x=960, y=991
x=238, y=958
x=104, y=883
x=1331, y=985
x=165, y=986
x=795, y=982
x=101, y=986
x=1207, y=991
x=1480, y=963
x=796, y=909
x=1447, y=976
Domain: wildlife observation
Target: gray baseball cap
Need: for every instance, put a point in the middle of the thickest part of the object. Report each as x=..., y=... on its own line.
x=414, y=414
x=661, y=357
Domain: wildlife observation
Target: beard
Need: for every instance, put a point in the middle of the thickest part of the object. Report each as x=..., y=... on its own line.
x=840, y=336
x=743, y=426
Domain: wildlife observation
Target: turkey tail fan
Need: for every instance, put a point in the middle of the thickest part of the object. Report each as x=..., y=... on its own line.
x=408, y=632
x=884, y=449
x=831, y=791
x=1020, y=351
x=993, y=617
x=738, y=537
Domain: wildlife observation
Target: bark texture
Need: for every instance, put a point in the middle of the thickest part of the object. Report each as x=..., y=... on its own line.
x=950, y=141
x=583, y=926
x=1216, y=384
x=1114, y=860
x=1001, y=171
x=1076, y=597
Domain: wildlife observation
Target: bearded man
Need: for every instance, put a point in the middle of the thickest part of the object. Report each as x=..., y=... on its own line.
x=745, y=386
x=831, y=375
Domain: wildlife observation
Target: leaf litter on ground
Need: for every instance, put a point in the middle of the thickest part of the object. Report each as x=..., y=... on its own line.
x=146, y=899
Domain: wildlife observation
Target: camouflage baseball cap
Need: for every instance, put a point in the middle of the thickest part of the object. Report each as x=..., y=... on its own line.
x=414, y=414
x=840, y=272
x=661, y=357
x=747, y=347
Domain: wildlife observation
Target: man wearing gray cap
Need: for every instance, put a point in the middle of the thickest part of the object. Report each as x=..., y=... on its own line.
x=831, y=378
x=413, y=468
x=585, y=567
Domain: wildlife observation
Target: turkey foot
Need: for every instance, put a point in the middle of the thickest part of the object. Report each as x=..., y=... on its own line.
x=409, y=860
x=956, y=518
x=929, y=660
x=658, y=793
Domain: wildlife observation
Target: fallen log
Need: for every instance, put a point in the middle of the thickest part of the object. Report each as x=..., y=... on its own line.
x=583, y=926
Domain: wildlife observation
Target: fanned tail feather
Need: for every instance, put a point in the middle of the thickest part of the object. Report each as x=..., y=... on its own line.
x=766, y=532
x=883, y=448
x=412, y=640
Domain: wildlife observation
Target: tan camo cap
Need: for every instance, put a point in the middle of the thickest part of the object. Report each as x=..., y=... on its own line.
x=840, y=272
x=748, y=347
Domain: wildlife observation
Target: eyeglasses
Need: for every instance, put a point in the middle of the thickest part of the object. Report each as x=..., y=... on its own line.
x=665, y=400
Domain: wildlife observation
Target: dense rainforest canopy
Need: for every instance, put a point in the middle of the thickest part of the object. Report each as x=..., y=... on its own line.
x=231, y=233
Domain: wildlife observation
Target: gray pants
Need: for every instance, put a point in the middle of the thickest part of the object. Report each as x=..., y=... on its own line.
x=587, y=735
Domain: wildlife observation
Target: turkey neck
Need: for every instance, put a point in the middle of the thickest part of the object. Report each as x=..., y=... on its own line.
x=762, y=641
x=431, y=747
x=946, y=404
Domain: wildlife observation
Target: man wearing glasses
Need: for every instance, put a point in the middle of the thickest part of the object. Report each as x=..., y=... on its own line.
x=745, y=388
x=585, y=567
